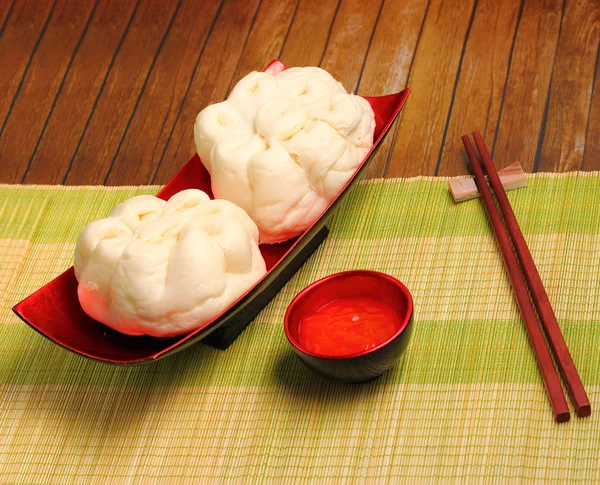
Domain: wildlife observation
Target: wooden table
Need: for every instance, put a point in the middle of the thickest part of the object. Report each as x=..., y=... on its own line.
x=106, y=92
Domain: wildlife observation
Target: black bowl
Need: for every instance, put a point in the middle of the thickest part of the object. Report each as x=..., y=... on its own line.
x=367, y=364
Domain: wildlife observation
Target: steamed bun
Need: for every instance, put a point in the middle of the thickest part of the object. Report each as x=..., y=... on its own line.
x=282, y=146
x=165, y=268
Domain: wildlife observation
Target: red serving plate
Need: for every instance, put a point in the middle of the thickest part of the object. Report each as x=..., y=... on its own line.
x=55, y=312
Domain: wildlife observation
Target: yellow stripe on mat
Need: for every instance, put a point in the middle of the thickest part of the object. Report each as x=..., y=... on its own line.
x=328, y=431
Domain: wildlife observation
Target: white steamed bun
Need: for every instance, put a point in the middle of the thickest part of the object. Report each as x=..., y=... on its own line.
x=283, y=146
x=165, y=268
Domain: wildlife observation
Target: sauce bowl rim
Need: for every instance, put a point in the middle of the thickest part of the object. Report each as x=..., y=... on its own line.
x=405, y=319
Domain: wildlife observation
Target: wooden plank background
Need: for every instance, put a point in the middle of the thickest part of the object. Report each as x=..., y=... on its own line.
x=106, y=91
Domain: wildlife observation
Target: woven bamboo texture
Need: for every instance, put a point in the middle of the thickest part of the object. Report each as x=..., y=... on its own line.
x=466, y=402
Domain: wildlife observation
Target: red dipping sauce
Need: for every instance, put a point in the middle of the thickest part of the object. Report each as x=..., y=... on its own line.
x=347, y=327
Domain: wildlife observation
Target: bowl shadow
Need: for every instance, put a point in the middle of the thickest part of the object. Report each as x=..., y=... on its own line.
x=298, y=381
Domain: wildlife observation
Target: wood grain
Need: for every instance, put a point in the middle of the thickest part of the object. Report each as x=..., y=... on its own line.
x=49, y=159
x=522, y=111
x=5, y=11
x=21, y=33
x=264, y=42
x=349, y=41
x=267, y=37
x=309, y=32
x=44, y=81
x=138, y=156
x=563, y=139
x=591, y=155
x=209, y=83
x=392, y=51
x=126, y=80
x=106, y=91
x=433, y=77
x=478, y=96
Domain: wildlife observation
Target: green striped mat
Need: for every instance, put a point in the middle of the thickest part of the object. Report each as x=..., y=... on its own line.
x=467, y=401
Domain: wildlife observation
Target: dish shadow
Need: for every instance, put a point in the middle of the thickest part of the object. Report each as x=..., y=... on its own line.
x=106, y=401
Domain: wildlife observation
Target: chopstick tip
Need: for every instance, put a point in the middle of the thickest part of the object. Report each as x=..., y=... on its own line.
x=563, y=417
x=584, y=411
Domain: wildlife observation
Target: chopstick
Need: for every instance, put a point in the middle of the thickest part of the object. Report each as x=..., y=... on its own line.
x=542, y=353
x=538, y=292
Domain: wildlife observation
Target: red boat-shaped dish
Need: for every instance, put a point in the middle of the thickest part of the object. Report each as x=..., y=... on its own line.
x=55, y=312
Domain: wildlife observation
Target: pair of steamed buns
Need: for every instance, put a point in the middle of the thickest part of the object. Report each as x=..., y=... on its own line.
x=278, y=150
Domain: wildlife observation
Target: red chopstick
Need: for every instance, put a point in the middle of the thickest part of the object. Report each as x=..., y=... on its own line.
x=544, y=358
x=538, y=292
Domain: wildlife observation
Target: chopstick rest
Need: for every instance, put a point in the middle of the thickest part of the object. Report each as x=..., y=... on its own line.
x=542, y=353
x=538, y=292
x=512, y=177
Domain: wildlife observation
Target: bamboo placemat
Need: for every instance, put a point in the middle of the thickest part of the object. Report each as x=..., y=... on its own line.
x=467, y=401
